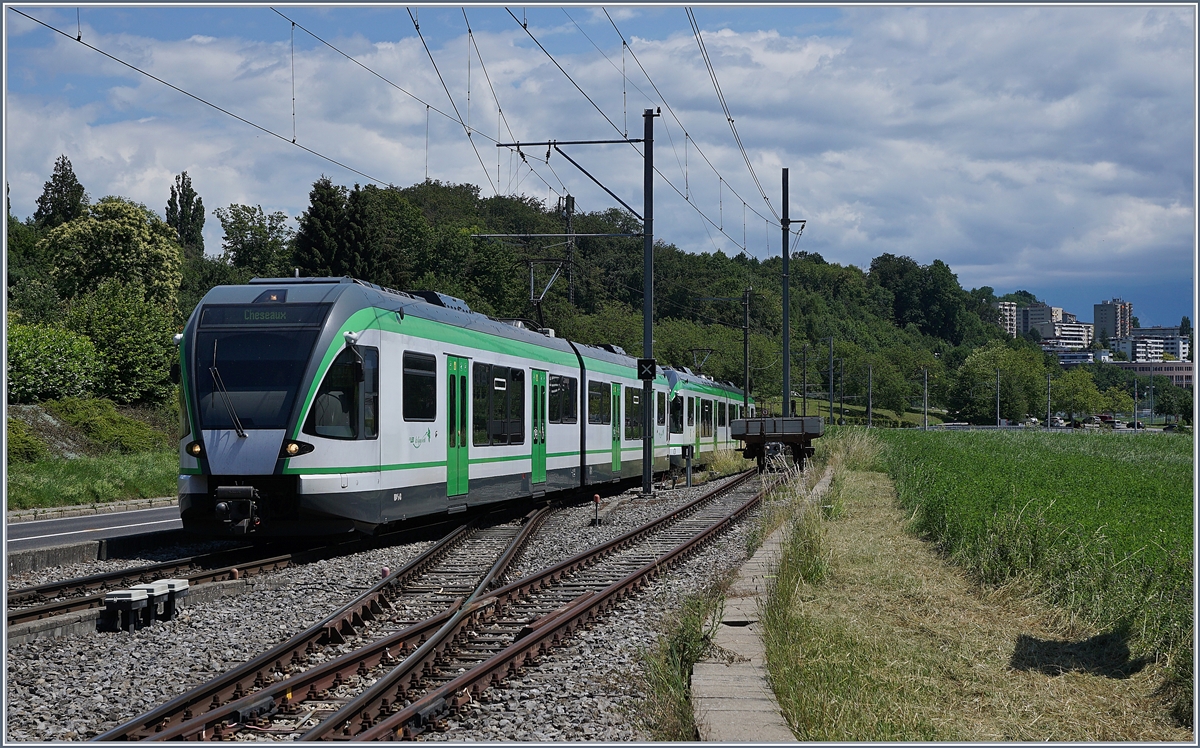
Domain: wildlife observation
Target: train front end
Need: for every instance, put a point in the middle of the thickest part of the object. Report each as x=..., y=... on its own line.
x=247, y=357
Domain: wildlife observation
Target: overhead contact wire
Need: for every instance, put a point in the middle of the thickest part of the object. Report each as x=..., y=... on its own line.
x=190, y=95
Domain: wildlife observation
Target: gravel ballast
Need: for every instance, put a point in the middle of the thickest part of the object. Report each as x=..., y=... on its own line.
x=80, y=686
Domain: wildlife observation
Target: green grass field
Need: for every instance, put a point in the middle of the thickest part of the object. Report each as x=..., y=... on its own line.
x=92, y=480
x=1102, y=523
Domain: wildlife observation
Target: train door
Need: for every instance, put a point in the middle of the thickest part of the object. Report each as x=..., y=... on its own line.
x=458, y=435
x=660, y=418
x=616, y=429
x=538, y=430
x=694, y=416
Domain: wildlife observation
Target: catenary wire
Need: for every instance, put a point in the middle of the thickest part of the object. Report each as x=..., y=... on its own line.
x=190, y=95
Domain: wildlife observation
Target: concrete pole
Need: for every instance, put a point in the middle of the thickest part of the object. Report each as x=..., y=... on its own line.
x=869, y=373
x=997, y=398
x=1047, y=399
x=925, y=406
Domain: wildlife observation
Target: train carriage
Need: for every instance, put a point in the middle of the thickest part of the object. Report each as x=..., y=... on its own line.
x=326, y=405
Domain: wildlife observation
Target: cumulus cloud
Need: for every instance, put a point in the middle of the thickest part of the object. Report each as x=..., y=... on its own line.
x=1020, y=145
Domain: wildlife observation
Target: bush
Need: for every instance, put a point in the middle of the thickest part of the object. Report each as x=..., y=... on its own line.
x=23, y=446
x=45, y=363
x=101, y=422
x=133, y=340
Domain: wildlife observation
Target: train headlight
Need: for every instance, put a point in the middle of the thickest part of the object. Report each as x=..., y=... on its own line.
x=195, y=449
x=293, y=448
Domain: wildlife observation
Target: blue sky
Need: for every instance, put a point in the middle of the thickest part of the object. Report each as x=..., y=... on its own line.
x=1050, y=149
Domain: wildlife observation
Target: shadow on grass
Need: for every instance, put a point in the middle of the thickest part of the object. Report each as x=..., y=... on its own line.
x=1104, y=654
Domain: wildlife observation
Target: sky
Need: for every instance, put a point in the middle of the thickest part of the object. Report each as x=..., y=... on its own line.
x=1050, y=149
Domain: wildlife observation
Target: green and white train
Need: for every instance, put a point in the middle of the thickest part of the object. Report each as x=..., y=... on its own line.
x=330, y=405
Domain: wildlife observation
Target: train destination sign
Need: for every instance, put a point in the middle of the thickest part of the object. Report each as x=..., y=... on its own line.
x=262, y=315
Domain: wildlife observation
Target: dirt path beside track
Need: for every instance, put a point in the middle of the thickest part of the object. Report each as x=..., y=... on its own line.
x=924, y=653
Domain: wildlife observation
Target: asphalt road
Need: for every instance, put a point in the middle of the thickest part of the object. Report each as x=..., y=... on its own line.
x=43, y=533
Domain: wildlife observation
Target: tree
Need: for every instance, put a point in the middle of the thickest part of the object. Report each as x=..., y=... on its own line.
x=63, y=197
x=1075, y=393
x=1022, y=382
x=132, y=336
x=1185, y=326
x=185, y=213
x=118, y=238
x=319, y=246
x=1117, y=400
x=384, y=234
x=255, y=241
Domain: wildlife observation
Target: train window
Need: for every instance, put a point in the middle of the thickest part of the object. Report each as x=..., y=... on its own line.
x=499, y=405
x=261, y=372
x=516, y=406
x=599, y=402
x=482, y=375
x=706, y=418
x=691, y=411
x=677, y=414
x=370, y=389
x=420, y=387
x=633, y=413
x=344, y=407
x=661, y=412
x=720, y=414
x=564, y=399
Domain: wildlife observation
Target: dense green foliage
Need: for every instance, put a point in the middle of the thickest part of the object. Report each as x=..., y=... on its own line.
x=116, y=239
x=99, y=420
x=185, y=214
x=1101, y=523
x=22, y=445
x=133, y=339
x=63, y=198
x=48, y=362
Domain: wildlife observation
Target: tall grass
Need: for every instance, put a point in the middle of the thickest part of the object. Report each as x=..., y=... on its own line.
x=667, y=713
x=1099, y=524
x=92, y=480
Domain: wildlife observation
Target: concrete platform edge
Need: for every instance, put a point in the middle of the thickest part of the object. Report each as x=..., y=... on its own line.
x=732, y=701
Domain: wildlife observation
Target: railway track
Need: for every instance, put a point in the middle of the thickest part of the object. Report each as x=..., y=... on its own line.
x=391, y=616
x=403, y=680
x=84, y=593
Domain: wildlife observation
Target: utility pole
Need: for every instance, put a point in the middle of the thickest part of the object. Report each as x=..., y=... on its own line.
x=785, y=223
x=830, y=380
x=1135, y=403
x=804, y=395
x=1047, y=399
x=925, y=405
x=745, y=350
x=648, y=302
x=997, y=398
x=869, y=373
x=568, y=209
x=841, y=391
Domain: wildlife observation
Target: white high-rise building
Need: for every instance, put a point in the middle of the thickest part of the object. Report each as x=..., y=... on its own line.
x=1008, y=316
x=1137, y=349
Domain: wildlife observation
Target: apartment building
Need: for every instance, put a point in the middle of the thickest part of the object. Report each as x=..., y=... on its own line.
x=1173, y=343
x=1037, y=314
x=1113, y=318
x=1137, y=350
x=1073, y=334
x=1008, y=316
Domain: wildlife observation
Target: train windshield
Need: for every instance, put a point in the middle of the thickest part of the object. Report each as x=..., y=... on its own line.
x=260, y=369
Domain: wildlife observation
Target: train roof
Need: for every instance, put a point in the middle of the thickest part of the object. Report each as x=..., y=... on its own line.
x=436, y=307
